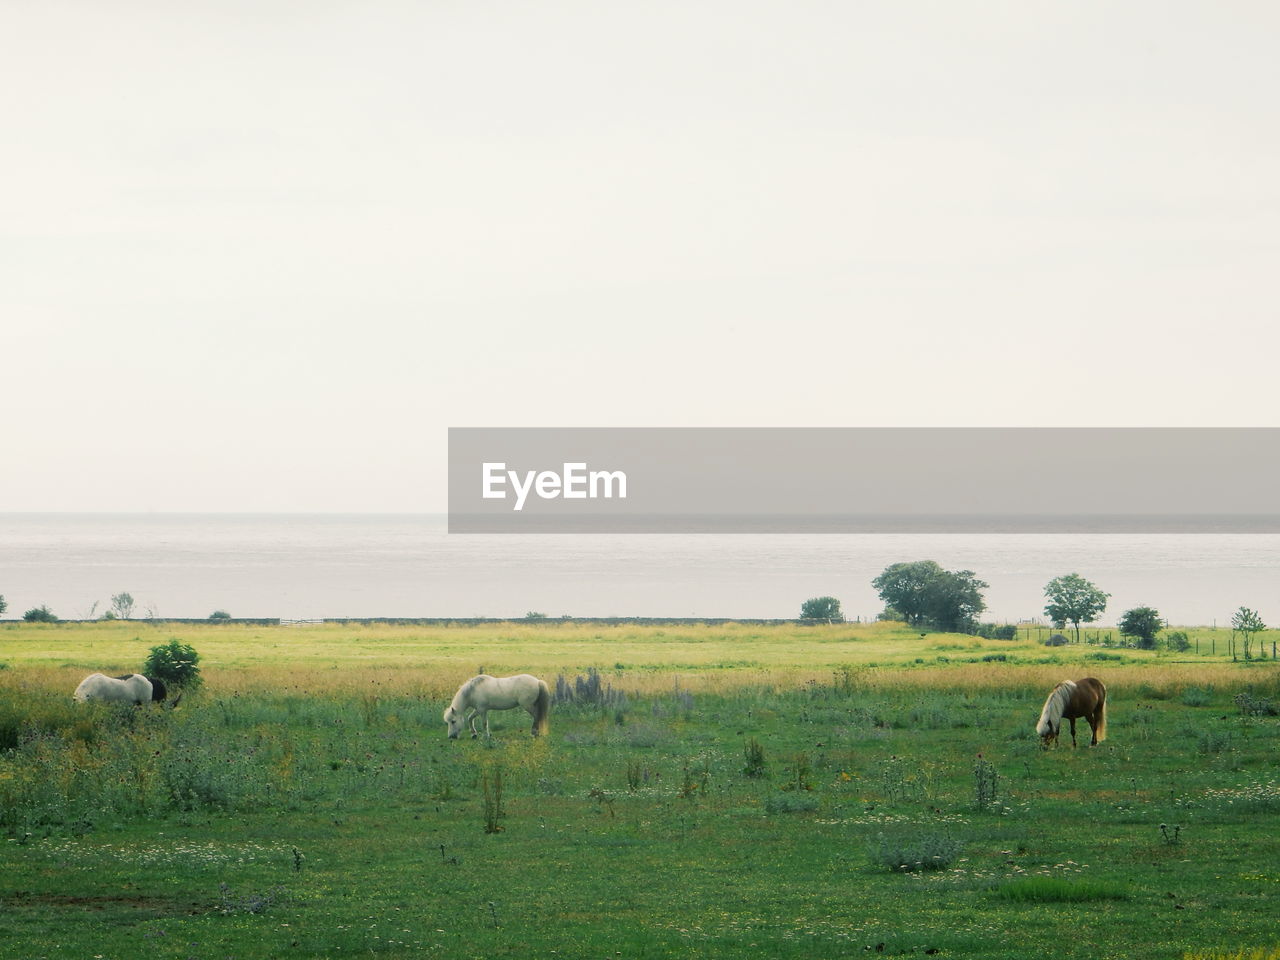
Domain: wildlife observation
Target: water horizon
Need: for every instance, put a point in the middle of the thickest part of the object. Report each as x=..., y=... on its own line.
x=306, y=565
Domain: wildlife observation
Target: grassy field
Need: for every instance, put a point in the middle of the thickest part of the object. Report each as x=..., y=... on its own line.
x=713, y=791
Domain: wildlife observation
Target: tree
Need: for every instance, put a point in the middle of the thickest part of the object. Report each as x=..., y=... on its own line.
x=905, y=587
x=1247, y=622
x=175, y=663
x=927, y=595
x=40, y=614
x=821, y=608
x=3, y=606
x=122, y=605
x=1142, y=624
x=219, y=615
x=1073, y=600
x=956, y=601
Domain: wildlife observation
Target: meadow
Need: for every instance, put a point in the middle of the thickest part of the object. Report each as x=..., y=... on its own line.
x=705, y=791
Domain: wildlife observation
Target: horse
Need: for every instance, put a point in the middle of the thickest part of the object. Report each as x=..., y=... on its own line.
x=479, y=695
x=131, y=688
x=1071, y=699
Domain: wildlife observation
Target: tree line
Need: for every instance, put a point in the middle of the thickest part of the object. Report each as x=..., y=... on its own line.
x=922, y=594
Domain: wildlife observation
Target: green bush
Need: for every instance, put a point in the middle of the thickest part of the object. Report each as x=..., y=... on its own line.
x=219, y=615
x=40, y=614
x=921, y=851
x=175, y=663
x=1178, y=641
x=1001, y=631
x=790, y=803
x=1197, y=696
x=1141, y=624
x=821, y=608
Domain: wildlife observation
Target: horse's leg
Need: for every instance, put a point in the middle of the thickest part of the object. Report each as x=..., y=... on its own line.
x=487, y=734
x=1093, y=728
x=1073, y=731
x=471, y=722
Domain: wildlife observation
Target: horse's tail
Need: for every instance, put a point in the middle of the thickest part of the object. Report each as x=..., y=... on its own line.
x=1100, y=729
x=542, y=710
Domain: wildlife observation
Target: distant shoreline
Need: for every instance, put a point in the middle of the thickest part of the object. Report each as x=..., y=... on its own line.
x=552, y=622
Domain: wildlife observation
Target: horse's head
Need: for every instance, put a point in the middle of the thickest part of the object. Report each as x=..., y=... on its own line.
x=454, y=719
x=1049, y=736
x=159, y=692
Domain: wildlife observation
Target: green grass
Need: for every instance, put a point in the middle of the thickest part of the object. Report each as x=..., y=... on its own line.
x=298, y=809
x=1058, y=890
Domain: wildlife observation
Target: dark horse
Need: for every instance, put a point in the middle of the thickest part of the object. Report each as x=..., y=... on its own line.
x=1070, y=699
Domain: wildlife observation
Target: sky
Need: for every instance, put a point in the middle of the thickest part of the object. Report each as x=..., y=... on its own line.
x=261, y=256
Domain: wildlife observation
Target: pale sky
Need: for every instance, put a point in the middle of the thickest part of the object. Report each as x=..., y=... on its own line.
x=260, y=256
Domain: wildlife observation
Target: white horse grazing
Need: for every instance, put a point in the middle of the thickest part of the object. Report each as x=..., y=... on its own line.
x=479, y=695
x=134, y=688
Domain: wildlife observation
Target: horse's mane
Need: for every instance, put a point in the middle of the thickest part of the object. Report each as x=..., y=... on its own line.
x=464, y=691
x=1055, y=705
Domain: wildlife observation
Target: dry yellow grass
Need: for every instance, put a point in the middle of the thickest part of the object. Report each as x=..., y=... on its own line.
x=433, y=660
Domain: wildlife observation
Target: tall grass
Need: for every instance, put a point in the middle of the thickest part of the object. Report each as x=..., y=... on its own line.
x=1059, y=890
x=431, y=661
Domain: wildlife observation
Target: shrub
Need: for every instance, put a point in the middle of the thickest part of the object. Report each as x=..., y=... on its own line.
x=40, y=614
x=1141, y=624
x=1177, y=641
x=219, y=615
x=1197, y=696
x=175, y=663
x=1003, y=631
x=985, y=783
x=1213, y=741
x=790, y=803
x=821, y=608
x=3, y=605
x=921, y=851
x=591, y=690
x=1251, y=706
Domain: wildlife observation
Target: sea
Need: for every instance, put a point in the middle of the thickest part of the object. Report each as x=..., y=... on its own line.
x=315, y=566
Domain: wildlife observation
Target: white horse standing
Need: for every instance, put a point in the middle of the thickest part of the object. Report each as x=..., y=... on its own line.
x=134, y=688
x=479, y=695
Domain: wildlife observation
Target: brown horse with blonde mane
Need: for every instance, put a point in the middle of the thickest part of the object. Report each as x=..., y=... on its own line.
x=1071, y=699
